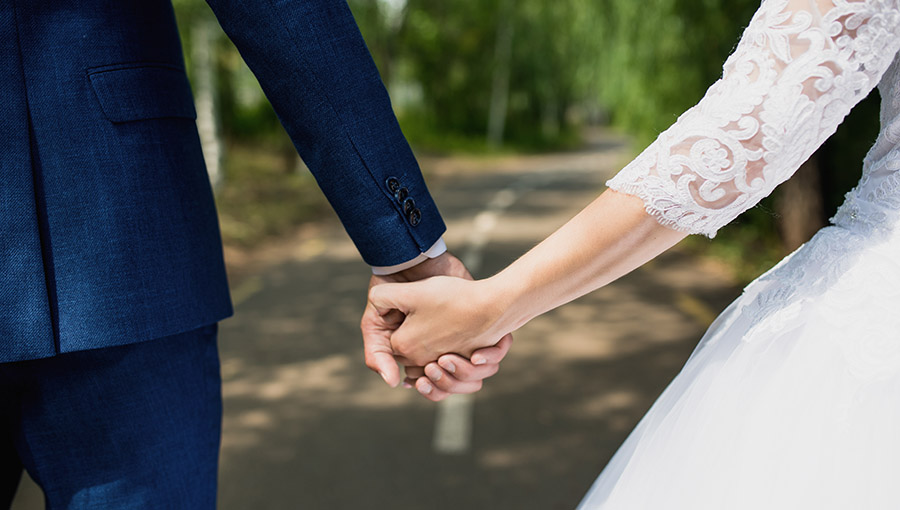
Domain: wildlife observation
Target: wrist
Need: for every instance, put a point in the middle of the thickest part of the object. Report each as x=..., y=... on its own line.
x=437, y=249
x=507, y=295
x=444, y=264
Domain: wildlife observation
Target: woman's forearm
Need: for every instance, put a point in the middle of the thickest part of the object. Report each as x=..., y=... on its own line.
x=609, y=238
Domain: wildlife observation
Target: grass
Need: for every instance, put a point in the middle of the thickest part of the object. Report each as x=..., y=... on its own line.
x=266, y=193
x=428, y=138
x=749, y=248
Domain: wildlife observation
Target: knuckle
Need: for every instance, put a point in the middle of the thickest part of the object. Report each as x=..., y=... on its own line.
x=445, y=383
x=400, y=341
x=470, y=373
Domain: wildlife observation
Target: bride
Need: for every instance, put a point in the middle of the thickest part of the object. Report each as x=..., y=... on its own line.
x=792, y=398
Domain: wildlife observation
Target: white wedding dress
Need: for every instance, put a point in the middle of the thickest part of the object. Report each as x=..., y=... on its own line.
x=792, y=398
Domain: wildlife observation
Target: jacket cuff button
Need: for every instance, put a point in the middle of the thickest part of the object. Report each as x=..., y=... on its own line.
x=408, y=206
x=393, y=184
x=415, y=217
x=401, y=195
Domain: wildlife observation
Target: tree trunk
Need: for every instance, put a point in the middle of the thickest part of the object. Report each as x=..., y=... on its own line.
x=800, y=206
x=203, y=47
x=500, y=81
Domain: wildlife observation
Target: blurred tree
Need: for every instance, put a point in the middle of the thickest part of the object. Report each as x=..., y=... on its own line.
x=500, y=76
x=202, y=35
x=526, y=73
x=498, y=69
x=448, y=46
x=380, y=21
x=660, y=56
x=231, y=107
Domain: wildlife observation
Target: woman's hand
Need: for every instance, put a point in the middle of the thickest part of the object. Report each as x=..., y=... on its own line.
x=460, y=374
x=443, y=315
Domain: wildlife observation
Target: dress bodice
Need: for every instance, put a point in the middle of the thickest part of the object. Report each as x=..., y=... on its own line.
x=875, y=203
x=798, y=70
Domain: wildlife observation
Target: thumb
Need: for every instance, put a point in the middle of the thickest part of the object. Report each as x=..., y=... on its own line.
x=376, y=331
x=386, y=366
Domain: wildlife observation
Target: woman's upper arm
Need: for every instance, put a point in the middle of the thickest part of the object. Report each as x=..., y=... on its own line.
x=799, y=68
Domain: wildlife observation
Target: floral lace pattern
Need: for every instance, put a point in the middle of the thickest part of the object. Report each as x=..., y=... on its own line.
x=796, y=73
x=845, y=285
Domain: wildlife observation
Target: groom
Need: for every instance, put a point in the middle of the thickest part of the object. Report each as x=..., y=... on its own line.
x=111, y=271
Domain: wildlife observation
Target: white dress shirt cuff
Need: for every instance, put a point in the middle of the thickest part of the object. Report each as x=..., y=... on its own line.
x=436, y=249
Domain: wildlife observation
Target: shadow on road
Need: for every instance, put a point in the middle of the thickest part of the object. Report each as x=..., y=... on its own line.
x=308, y=426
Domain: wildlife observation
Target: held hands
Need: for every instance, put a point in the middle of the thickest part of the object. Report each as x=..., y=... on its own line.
x=383, y=321
x=442, y=315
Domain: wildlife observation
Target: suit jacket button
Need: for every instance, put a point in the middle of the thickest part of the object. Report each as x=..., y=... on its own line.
x=408, y=205
x=401, y=195
x=393, y=184
x=415, y=217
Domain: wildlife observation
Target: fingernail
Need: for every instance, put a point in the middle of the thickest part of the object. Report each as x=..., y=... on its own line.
x=449, y=366
x=407, y=385
x=425, y=388
x=433, y=373
x=382, y=376
x=478, y=360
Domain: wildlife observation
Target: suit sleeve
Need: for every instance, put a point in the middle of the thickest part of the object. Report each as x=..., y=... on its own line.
x=314, y=67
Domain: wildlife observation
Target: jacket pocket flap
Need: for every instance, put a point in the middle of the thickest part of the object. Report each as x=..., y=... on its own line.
x=142, y=91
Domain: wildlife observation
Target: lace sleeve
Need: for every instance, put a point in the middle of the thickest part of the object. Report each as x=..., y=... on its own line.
x=799, y=68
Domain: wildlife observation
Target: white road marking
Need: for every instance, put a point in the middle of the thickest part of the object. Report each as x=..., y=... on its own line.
x=453, y=423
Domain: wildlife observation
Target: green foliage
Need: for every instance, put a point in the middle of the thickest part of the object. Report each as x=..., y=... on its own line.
x=749, y=246
x=661, y=56
x=449, y=45
x=841, y=157
x=265, y=194
x=449, y=51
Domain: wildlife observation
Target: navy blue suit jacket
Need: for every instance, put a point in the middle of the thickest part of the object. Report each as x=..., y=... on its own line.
x=108, y=231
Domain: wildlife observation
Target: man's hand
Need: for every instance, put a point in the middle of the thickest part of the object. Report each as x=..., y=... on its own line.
x=455, y=374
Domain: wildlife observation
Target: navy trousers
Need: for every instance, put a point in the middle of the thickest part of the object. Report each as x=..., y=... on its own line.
x=128, y=427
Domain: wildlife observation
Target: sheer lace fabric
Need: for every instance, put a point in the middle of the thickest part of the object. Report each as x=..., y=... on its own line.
x=799, y=68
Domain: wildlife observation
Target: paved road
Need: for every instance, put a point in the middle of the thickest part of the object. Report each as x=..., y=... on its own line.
x=308, y=426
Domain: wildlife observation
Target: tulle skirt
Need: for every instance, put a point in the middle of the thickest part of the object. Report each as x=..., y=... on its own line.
x=790, y=401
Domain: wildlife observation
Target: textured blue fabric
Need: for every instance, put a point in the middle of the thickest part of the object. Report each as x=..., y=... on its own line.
x=127, y=427
x=25, y=326
x=109, y=232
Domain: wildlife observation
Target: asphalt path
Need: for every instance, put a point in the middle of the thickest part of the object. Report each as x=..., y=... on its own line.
x=308, y=426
